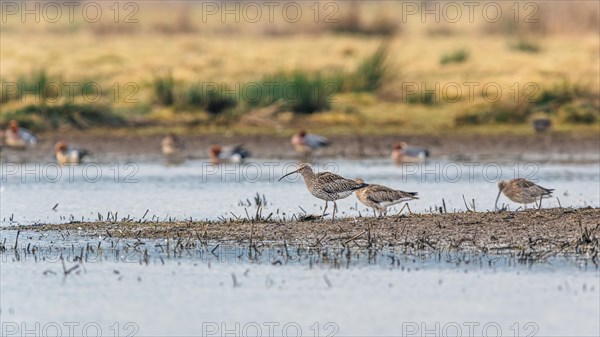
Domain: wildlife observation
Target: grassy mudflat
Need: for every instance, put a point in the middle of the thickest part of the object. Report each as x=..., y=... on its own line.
x=533, y=234
x=469, y=76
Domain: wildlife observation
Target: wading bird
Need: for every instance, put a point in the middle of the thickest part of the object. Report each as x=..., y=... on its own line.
x=379, y=197
x=326, y=185
x=522, y=191
x=68, y=155
x=235, y=154
x=173, y=147
x=18, y=138
x=401, y=153
x=305, y=143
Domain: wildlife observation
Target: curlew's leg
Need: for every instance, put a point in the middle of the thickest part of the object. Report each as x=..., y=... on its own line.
x=374, y=213
x=322, y=215
x=334, y=209
x=540, y=205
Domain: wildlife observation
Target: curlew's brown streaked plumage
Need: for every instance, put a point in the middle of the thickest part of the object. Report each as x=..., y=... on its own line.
x=522, y=191
x=326, y=185
x=379, y=197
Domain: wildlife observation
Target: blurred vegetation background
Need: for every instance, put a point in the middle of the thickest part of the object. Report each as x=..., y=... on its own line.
x=331, y=66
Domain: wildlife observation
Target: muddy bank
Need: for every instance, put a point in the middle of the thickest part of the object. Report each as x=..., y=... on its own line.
x=134, y=147
x=535, y=234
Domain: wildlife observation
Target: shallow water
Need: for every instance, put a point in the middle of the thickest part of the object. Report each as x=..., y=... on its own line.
x=201, y=191
x=131, y=286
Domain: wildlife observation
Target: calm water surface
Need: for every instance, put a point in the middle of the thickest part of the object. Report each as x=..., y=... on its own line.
x=212, y=289
x=132, y=287
x=201, y=191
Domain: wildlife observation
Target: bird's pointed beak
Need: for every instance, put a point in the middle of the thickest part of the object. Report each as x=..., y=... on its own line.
x=496, y=203
x=288, y=174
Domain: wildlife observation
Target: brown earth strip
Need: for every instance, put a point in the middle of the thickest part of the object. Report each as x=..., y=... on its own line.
x=535, y=234
x=134, y=147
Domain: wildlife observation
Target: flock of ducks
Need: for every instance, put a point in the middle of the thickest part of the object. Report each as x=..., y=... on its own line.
x=326, y=186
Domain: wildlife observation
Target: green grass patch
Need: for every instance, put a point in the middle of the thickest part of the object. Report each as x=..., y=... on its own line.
x=164, y=89
x=36, y=83
x=46, y=117
x=525, y=46
x=208, y=97
x=371, y=72
x=300, y=92
x=458, y=56
x=572, y=104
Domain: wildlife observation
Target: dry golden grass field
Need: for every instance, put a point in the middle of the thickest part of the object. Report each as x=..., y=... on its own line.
x=429, y=77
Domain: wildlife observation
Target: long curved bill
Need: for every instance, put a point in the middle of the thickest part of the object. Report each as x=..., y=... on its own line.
x=288, y=175
x=496, y=203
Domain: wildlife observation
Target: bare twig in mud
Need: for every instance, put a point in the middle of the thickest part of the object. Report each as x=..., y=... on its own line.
x=355, y=237
x=326, y=279
x=309, y=217
x=559, y=205
x=66, y=271
x=145, y=213
x=465, y=201
x=258, y=214
x=235, y=281
x=319, y=240
x=17, y=240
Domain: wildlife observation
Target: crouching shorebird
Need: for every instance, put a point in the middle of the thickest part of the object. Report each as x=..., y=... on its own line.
x=379, y=197
x=68, y=155
x=305, y=143
x=326, y=185
x=522, y=191
x=235, y=154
